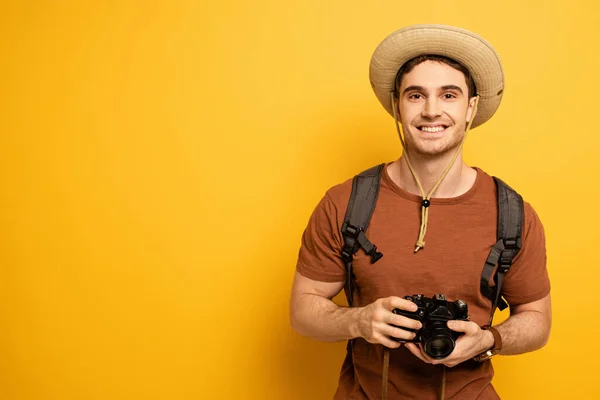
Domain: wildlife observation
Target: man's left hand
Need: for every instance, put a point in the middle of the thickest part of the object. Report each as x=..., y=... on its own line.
x=474, y=341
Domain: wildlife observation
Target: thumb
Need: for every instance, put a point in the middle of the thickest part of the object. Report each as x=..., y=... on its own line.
x=463, y=326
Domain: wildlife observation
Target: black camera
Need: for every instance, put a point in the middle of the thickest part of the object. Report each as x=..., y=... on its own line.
x=437, y=339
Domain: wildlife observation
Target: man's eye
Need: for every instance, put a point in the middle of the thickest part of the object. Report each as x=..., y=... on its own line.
x=415, y=96
x=449, y=96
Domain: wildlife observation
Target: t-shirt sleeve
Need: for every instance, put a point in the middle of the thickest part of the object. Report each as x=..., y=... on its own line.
x=320, y=256
x=527, y=279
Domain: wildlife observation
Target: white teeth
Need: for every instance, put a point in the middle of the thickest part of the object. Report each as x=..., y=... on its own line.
x=432, y=129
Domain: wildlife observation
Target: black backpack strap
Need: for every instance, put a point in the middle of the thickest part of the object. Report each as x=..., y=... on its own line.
x=510, y=228
x=365, y=189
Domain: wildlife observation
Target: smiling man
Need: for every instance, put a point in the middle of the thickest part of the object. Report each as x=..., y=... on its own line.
x=438, y=226
x=436, y=107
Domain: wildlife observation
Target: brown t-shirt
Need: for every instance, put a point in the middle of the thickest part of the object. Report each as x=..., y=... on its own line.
x=460, y=233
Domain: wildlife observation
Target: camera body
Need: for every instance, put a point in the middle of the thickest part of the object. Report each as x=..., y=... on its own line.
x=437, y=339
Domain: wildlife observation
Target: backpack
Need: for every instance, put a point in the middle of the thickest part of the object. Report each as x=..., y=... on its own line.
x=361, y=205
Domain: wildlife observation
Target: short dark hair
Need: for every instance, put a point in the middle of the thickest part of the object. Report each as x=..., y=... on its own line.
x=409, y=65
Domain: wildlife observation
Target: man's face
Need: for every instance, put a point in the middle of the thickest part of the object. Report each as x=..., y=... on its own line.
x=434, y=108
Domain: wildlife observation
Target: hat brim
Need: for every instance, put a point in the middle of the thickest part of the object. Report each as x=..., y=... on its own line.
x=465, y=47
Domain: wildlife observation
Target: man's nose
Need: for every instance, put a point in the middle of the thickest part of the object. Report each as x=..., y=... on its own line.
x=432, y=108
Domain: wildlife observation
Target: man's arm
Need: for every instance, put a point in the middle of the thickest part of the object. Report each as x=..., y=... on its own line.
x=315, y=315
x=527, y=329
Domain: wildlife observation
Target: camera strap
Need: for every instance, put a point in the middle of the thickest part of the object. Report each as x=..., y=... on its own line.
x=385, y=373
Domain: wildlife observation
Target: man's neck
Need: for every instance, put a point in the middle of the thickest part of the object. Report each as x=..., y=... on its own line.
x=460, y=177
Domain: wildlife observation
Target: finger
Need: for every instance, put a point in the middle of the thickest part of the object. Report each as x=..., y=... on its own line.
x=468, y=327
x=435, y=361
x=397, y=333
x=451, y=360
x=429, y=359
x=388, y=342
x=413, y=348
x=398, y=302
x=403, y=322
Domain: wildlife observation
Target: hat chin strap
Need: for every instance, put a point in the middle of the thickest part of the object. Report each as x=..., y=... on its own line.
x=420, y=243
x=426, y=199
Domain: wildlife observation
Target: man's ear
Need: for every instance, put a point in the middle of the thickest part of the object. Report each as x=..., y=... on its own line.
x=397, y=105
x=471, y=107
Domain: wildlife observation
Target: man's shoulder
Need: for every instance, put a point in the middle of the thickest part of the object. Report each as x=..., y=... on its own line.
x=339, y=193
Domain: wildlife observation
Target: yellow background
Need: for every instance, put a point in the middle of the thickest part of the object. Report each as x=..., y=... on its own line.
x=160, y=159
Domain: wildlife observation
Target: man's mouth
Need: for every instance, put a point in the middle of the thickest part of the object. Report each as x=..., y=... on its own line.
x=432, y=129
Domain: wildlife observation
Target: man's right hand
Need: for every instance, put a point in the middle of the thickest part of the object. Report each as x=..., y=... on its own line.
x=375, y=322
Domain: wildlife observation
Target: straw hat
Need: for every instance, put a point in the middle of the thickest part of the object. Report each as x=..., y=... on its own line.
x=465, y=47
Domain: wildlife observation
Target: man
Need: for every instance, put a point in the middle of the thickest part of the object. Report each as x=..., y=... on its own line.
x=437, y=82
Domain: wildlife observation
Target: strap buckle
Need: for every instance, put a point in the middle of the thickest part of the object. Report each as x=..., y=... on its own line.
x=375, y=255
x=506, y=256
x=512, y=243
x=358, y=236
x=504, y=263
x=347, y=254
x=350, y=230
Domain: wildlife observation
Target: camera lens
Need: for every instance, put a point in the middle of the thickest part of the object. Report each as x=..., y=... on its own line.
x=439, y=347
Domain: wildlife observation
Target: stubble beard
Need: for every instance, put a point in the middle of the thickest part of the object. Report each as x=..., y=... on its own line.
x=429, y=149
